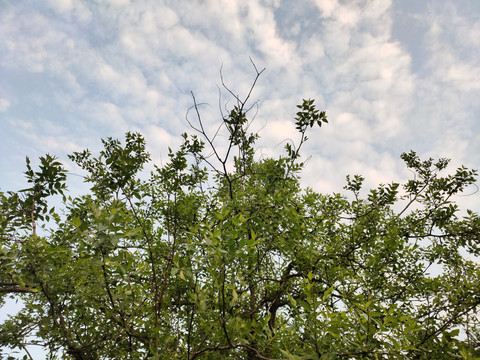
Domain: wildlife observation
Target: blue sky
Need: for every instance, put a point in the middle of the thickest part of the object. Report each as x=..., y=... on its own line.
x=392, y=76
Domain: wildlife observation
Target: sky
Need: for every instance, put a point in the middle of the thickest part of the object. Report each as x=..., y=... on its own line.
x=393, y=76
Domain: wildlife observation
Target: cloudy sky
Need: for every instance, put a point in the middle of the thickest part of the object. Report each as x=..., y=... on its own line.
x=392, y=76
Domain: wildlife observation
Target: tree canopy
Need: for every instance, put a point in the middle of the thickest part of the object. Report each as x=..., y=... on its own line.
x=220, y=253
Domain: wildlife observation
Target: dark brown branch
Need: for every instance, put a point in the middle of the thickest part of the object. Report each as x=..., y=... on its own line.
x=16, y=288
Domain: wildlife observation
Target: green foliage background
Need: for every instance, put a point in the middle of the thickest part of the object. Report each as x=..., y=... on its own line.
x=199, y=261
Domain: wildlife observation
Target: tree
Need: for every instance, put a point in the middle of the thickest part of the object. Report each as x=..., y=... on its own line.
x=224, y=255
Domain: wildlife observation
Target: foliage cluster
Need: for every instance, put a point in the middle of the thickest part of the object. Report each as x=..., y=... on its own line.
x=237, y=260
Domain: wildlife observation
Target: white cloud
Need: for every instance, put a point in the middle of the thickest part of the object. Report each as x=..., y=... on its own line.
x=158, y=141
x=62, y=5
x=350, y=128
x=451, y=38
x=4, y=104
x=161, y=17
x=368, y=72
x=71, y=10
x=34, y=44
x=448, y=91
x=118, y=2
x=22, y=125
x=107, y=114
x=327, y=7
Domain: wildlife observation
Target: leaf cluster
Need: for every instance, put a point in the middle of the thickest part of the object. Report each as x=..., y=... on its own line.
x=253, y=266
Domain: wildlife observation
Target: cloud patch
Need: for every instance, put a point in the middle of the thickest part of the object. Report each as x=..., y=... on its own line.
x=108, y=67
